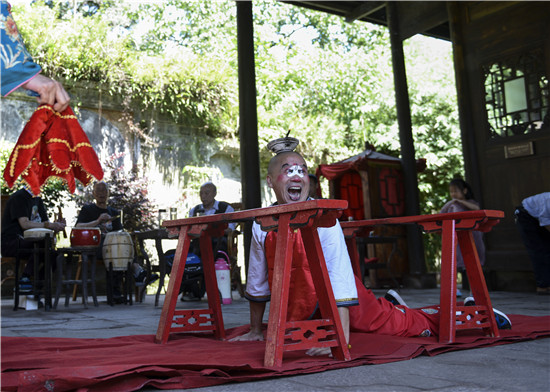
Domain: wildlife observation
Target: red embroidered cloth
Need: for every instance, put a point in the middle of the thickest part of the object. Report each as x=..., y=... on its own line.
x=52, y=144
x=129, y=363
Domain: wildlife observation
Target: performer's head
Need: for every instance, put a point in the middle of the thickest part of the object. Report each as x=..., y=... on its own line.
x=101, y=194
x=288, y=177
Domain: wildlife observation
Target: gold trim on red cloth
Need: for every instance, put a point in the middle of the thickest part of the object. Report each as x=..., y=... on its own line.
x=52, y=144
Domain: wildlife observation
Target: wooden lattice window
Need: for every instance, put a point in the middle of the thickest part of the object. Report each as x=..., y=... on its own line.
x=517, y=95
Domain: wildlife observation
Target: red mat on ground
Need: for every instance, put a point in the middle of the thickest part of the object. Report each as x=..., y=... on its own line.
x=188, y=361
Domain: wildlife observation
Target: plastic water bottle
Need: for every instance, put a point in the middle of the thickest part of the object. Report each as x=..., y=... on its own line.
x=224, y=279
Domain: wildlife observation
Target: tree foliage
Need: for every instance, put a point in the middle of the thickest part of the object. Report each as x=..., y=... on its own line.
x=117, y=44
x=328, y=81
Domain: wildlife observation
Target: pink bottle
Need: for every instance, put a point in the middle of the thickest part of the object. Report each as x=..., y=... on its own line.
x=224, y=279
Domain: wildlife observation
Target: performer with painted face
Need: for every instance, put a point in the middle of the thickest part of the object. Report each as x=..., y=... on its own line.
x=358, y=308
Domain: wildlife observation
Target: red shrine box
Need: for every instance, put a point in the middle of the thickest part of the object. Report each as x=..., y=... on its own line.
x=373, y=185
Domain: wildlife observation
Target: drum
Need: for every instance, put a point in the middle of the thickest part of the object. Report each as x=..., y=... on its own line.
x=118, y=249
x=37, y=233
x=85, y=236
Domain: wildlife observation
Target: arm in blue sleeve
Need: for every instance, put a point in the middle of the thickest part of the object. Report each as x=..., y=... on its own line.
x=17, y=66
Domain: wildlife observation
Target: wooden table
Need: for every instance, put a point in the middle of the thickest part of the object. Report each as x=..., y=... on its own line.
x=455, y=228
x=282, y=335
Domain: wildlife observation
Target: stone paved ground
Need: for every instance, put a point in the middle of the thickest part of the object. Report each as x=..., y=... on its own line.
x=513, y=367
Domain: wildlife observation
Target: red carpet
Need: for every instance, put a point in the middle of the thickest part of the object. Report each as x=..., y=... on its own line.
x=130, y=362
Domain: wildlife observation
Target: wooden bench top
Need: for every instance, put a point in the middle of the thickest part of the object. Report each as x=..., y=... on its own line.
x=267, y=217
x=480, y=220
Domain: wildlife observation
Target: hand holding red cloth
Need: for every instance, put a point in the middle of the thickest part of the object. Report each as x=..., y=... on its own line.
x=52, y=144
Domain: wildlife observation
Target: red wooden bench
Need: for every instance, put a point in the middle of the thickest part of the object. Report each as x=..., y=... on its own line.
x=454, y=228
x=282, y=335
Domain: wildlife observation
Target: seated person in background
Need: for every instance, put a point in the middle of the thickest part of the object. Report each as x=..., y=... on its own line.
x=533, y=221
x=209, y=206
x=107, y=218
x=24, y=211
x=313, y=182
x=358, y=308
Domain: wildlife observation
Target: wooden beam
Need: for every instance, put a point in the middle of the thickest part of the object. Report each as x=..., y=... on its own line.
x=420, y=16
x=366, y=8
x=324, y=6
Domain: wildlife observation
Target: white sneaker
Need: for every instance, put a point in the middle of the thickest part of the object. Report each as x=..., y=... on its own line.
x=394, y=298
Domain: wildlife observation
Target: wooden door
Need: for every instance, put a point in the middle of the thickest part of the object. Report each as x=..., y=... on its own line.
x=502, y=59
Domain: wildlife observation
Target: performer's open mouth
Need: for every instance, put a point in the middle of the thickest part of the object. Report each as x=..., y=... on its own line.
x=294, y=193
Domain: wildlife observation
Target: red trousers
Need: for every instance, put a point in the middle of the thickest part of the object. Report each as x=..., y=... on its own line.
x=378, y=315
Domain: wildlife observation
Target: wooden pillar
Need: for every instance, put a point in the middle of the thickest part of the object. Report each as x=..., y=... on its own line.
x=248, y=119
x=414, y=236
x=466, y=121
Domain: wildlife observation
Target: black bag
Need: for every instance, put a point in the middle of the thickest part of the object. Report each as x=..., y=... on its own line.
x=192, y=282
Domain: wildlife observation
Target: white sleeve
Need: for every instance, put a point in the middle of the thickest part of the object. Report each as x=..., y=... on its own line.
x=338, y=264
x=257, y=284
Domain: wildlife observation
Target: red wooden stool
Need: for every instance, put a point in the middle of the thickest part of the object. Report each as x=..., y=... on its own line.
x=282, y=335
x=454, y=228
x=172, y=320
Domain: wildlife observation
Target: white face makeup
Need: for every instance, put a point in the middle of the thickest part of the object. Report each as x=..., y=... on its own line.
x=295, y=171
x=289, y=178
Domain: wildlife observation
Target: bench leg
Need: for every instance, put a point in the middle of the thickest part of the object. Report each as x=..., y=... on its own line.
x=59, y=279
x=93, y=262
x=162, y=266
x=85, y=280
x=447, y=318
x=478, y=285
x=279, y=294
x=109, y=273
x=128, y=282
x=69, y=276
x=17, y=277
x=171, y=298
x=77, y=277
x=323, y=289
x=211, y=282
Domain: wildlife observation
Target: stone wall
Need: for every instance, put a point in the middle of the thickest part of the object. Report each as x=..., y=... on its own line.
x=162, y=148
